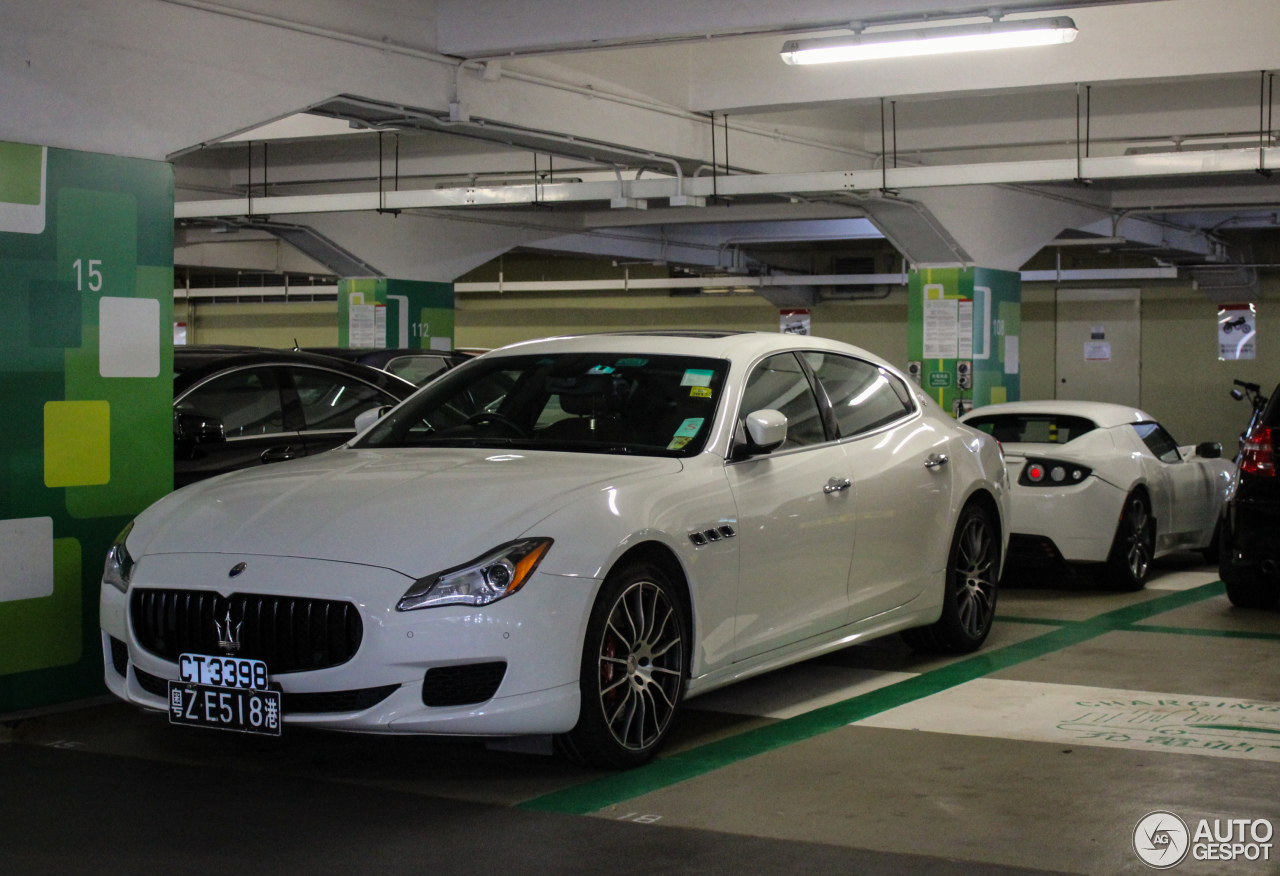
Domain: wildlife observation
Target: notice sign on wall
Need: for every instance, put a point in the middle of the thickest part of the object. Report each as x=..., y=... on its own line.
x=1237, y=332
x=794, y=322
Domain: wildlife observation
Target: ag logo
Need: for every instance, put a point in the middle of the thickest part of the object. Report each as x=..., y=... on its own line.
x=1161, y=840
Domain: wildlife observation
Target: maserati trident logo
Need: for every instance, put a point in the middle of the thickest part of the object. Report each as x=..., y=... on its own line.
x=237, y=569
x=228, y=635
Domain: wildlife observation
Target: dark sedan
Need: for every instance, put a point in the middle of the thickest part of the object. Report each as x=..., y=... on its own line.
x=237, y=407
x=1249, y=555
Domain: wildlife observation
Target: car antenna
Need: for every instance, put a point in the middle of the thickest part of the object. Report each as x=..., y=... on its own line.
x=296, y=348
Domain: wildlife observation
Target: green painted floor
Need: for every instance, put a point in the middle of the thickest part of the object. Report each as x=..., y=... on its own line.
x=1085, y=711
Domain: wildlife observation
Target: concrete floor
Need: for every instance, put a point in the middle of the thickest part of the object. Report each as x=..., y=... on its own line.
x=1085, y=711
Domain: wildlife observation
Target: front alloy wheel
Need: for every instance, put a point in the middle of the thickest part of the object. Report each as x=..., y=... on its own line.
x=970, y=589
x=633, y=670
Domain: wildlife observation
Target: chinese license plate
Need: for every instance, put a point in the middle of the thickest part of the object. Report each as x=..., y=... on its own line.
x=223, y=671
x=226, y=693
x=225, y=708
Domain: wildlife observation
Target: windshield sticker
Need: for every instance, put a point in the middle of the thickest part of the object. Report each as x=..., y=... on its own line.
x=631, y=363
x=689, y=427
x=695, y=377
x=678, y=443
x=700, y=392
x=601, y=369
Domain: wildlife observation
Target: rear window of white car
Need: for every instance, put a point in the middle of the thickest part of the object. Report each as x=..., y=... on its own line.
x=644, y=404
x=1032, y=428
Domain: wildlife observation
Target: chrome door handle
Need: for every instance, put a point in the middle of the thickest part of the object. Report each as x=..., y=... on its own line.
x=935, y=460
x=835, y=485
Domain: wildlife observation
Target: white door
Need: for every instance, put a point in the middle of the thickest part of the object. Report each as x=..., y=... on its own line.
x=795, y=519
x=1099, y=341
x=902, y=504
x=1184, y=507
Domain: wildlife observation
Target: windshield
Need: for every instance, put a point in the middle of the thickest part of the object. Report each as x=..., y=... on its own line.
x=1032, y=428
x=579, y=402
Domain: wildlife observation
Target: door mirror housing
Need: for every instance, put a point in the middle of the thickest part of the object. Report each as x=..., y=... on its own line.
x=763, y=431
x=1209, y=450
x=365, y=419
x=198, y=429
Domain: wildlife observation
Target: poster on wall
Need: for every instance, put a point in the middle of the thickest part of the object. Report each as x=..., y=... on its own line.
x=86, y=374
x=1237, y=332
x=795, y=322
x=395, y=314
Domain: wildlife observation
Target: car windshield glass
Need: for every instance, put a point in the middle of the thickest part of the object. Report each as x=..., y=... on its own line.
x=578, y=402
x=1032, y=428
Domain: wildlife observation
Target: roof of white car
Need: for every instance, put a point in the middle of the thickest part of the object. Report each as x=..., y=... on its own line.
x=1105, y=415
x=714, y=344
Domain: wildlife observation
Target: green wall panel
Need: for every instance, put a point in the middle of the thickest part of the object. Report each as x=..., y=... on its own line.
x=377, y=312
x=86, y=372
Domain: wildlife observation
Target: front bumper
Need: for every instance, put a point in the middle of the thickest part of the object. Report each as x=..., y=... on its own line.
x=537, y=632
x=1079, y=519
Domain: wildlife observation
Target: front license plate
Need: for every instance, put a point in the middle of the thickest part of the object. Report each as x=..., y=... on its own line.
x=223, y=671
x=225, y=708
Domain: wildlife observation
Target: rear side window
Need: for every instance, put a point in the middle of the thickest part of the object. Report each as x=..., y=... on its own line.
x=333, y=401
x=1032, y=428
x=863, y=396
x=1158, y=441
x=247, y=401
x=417, y=369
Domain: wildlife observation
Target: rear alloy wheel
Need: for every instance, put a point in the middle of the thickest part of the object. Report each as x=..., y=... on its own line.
x=969, y=600
x=1134, y=545
x=634, y=665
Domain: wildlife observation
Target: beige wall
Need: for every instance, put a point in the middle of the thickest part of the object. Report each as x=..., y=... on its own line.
x=1183, y=383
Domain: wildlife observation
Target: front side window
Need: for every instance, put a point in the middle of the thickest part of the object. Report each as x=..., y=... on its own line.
x=863, y=396
x=1158, y=441
x=333, y=401
x=246, y=401
x=1032, y=428
x=652, y=405
x=417, y=369
x=780, y=384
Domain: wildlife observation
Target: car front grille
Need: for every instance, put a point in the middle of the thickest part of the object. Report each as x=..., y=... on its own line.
x=462, y=685
x=289, y=634
x=323, y=702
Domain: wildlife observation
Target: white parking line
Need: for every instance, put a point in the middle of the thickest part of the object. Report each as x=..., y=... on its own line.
x=794, y=690
x=1062, y=713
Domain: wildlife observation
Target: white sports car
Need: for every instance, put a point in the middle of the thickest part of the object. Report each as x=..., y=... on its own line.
x=566, y=538
x=1104, y=483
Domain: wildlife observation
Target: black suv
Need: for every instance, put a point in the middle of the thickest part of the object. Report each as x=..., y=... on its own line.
x=236, y=407
x=1249, y=554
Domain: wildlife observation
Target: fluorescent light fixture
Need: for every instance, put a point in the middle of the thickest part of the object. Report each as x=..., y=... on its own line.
x=931, y=41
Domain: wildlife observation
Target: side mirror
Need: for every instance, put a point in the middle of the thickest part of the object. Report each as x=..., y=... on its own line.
x=764, y=430
x=365, y=419
x=198, y=429
x=1209, y=450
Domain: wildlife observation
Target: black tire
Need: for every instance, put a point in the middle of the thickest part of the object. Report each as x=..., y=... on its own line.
x=634, y=667
x=1247, y=588
x=970, y=591
x=1134, y=545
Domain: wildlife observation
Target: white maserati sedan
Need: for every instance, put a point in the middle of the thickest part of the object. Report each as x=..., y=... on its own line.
x=565, y=538
x=1104, y=483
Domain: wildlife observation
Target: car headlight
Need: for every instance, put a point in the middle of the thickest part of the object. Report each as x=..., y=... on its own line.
x=500, y=572
x=119, y=566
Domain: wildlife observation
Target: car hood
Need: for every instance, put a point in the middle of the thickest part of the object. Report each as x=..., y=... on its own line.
x=412, y=510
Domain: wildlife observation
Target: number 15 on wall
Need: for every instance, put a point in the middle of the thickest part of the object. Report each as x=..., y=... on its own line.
x=95, y=275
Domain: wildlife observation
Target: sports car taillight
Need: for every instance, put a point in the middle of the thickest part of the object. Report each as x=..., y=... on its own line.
x=1257, y=455
x=1051, y=473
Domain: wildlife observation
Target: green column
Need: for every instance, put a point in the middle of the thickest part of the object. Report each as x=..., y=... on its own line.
x=380, y=312
x=962, y=339
x=86, y=372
